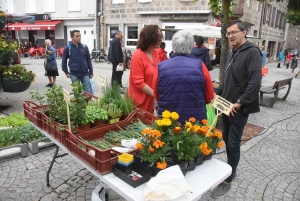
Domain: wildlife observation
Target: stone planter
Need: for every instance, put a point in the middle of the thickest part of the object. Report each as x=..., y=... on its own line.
x=14, y=150
x=14, y=87
x=37, y=145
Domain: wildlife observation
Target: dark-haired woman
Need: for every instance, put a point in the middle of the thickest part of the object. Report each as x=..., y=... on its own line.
x=143, y=72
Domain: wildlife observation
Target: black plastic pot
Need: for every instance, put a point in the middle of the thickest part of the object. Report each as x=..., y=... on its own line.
x=14, y=87
x=199, y=159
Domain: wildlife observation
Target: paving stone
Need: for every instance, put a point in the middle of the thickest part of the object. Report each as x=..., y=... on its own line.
x=49, y=197
x=63, y=188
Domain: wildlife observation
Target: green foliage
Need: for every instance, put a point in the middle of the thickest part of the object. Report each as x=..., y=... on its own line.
x=14, y=120
x=39, y=98
x=126, y=104
x=113, y=111
x=94, y=113
x=17, y=72
x=293, y=16
x=78, y=106
x=111, y=94
x=14, y=136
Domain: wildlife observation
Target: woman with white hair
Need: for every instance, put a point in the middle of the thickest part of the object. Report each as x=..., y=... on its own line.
x=50, y=56
x=184, y=83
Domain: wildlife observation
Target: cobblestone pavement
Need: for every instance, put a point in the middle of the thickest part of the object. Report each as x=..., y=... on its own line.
x=269, y=168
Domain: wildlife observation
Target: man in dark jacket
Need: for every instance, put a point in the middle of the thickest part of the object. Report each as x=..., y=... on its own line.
x=241, y=85
x=201, y=52
x=115, y=56
x=79, y=61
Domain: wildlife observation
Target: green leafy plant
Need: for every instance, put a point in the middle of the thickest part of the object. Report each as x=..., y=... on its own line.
x=111, y=94
x=9, y=137
x=17, y=72
x=14, y=120
x=29, y=133
x=78, y=106
x=94, y=113
x=126, y=104
x=113, y=111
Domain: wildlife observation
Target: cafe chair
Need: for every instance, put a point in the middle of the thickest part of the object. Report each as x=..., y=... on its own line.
x=103, y=55
x=31, y=52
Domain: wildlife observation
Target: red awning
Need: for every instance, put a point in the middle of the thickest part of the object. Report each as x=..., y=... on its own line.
x=38, y=25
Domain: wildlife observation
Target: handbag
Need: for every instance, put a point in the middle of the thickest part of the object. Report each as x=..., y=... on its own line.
x=50, y=65
x=247, y=109
x=264, y=71
x=120, y=68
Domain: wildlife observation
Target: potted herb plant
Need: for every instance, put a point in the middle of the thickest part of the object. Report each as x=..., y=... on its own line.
x=126, y=105
x=96, y=115
x=114, y=114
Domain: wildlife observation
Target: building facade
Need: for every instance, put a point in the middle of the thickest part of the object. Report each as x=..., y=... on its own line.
x=54, y=20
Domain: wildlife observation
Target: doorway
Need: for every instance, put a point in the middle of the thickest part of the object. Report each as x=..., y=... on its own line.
x=33, y=37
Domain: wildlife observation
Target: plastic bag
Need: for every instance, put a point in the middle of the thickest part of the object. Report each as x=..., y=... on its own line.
x=264, y=71
x=168, y=184
x=210, y=114
x=94, y=88
x=120, y=68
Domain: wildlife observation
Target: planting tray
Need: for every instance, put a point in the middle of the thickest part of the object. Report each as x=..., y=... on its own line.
x=127, y=176
x=102, y=160
x=33, y=112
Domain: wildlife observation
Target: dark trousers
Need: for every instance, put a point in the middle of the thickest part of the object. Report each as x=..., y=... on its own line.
x=233, y=128
x=116, y=75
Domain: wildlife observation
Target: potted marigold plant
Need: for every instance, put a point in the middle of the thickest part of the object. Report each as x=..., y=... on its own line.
x=153, y=149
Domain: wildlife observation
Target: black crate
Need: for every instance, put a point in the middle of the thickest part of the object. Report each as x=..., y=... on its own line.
x=120, y=172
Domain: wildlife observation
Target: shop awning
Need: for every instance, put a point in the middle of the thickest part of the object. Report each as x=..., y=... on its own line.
x=38, y=25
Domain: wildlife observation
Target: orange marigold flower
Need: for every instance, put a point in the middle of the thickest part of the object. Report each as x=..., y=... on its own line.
x=205, y=121
x=150, y=149
x=146, y=131
x=192, y=119
x=188, y=125
x=162, y=165
x=157, y=133
x=158, y=144
x=218, y=134
x=210, y=135
x=177, y=130
x=221, y=144
x=202, y=131
x=139, y=145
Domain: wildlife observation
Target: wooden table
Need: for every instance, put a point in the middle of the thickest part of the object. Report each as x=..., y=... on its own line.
x=204, y=178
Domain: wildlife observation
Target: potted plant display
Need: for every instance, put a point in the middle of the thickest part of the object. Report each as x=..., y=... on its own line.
x=114, y=114
x=15, y=78
x=96, y=115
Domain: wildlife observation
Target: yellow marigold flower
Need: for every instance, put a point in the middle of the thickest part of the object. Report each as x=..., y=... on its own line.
x=158, y=144
x=174, y=115
x=218, y=134
x=150, y=149
x=221, y=144
x=139, y=145
x=177, y=130
x=166, y=114
x=167, y=122
x=188, y=130
x=157, y=133
x=159, y=122
x=146, y=131
x=162, y=165
x=188, y=125
x=192, y=119
x=205, y=121
x=195, y=128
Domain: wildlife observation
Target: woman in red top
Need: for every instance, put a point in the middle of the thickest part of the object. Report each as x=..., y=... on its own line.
x=143, y=72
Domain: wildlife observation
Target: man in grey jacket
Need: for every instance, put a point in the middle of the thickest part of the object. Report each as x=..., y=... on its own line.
x=241, y=85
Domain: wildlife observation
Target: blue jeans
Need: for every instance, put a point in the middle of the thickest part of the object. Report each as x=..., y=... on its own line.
x=85, y=81
x=233, y=128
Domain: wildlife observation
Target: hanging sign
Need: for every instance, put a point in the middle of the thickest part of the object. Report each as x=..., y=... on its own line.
x=223, y=105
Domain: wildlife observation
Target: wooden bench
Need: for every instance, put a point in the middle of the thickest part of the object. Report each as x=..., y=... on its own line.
x=278, y=85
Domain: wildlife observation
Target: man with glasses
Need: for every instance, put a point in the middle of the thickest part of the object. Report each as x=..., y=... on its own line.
x=115, y=56
x=79, y=61
x=241, y=85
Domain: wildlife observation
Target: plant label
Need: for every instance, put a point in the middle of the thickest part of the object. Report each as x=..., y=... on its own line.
x=222, y=105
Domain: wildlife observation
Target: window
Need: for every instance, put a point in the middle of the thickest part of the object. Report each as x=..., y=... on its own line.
x=117, y=1
x=273, y=17
x=131, y=35
x=169, y=34
x=50, y=34
x=30, y=6
x=49, y=6
x=73, y=5
x=111, y=31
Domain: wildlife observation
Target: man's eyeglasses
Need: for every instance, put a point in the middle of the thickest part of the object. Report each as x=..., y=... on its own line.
x=232, y=33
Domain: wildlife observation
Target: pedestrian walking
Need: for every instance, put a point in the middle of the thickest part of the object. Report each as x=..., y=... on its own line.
x=288, y=59
x=263, y=56
x=201, y=52
x=50, y=56
x=280, y=58
x=143, y=71
x=181, y=69
x=80, y=64
x=115, y=56
x=241, y=85
x=294, y=64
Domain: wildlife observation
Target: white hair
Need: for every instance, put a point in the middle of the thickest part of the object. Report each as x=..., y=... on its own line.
x=182, y=42
x=48, y=41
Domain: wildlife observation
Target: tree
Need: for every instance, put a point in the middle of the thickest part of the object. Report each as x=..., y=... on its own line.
x=293, y=15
